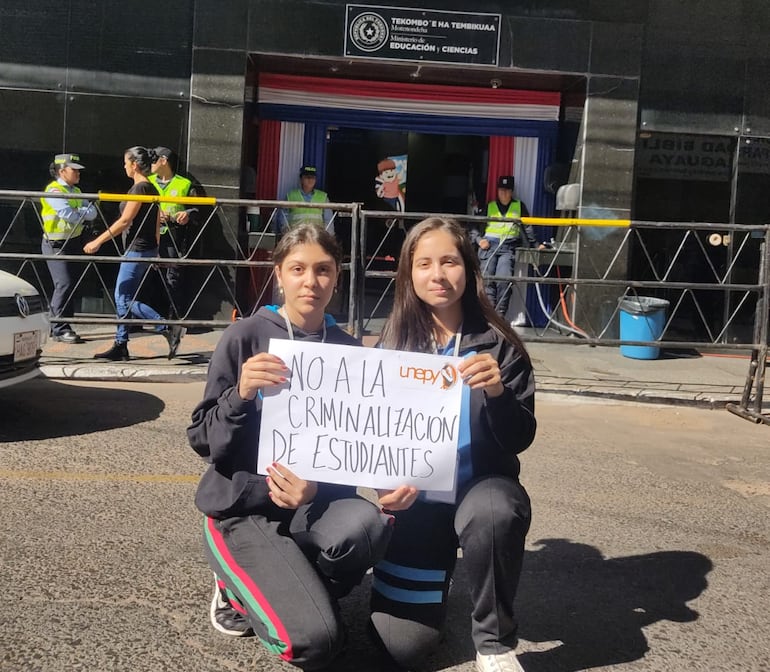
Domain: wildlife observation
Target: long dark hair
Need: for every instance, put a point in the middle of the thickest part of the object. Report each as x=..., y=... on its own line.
x=307, y=234
x=141, y=156
x=410, y=325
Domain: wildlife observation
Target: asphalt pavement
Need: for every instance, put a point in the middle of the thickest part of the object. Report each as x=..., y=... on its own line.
x=648, y=549
x=572, y=368
x=648, y=552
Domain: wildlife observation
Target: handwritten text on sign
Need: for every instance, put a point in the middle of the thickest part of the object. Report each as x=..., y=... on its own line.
x=363, y=416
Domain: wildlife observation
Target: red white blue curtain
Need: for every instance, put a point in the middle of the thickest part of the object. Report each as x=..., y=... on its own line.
x=295, y=112
x=314, y=103
x=501, y=162
x=424, y=107
x=267, y=160
x=291, y=158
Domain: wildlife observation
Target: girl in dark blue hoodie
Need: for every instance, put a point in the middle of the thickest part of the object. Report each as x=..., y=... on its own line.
x=441, y=307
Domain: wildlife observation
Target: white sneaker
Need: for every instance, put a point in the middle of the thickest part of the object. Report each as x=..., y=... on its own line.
x=501, y=662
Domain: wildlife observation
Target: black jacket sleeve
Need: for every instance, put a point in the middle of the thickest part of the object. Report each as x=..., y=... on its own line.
x=223, y=422
x=225, y=432
x=511, y=416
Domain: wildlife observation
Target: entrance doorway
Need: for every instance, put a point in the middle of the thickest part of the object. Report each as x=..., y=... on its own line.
x=443, y=173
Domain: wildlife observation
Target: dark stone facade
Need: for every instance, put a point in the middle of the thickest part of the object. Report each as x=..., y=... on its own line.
x=97, y=77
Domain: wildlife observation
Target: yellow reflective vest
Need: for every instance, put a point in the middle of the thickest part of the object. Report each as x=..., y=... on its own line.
x=504, y=229
x=177, y=186
x=300, y=215
x=54, y=227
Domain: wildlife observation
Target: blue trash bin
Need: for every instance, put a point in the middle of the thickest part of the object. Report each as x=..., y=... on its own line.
x=642, y=318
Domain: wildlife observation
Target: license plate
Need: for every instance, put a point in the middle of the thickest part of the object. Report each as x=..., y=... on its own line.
x=25, y=345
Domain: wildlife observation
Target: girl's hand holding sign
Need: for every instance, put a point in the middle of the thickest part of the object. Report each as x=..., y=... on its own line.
x=482, y=372
x=399, y=499
x=260, y=371
x=287, y=490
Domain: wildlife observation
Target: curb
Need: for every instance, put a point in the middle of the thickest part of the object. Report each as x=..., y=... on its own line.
x=156, y=374
x=160, y=374
x=639, y=397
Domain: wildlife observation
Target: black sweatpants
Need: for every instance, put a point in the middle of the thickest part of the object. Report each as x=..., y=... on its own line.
x=489, y=523
x=173, y=245
x=285, y=574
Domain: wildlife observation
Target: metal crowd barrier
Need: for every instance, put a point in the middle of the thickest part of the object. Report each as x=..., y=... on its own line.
x=239, y=274
x=243, y=251
x=662, y=277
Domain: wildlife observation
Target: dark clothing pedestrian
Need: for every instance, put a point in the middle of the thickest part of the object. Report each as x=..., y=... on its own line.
x=176, y=228
x=139, y=226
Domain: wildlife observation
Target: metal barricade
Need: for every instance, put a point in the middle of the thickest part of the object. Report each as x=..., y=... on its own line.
x=240, y=274
x=222, y=227
x=656, y=275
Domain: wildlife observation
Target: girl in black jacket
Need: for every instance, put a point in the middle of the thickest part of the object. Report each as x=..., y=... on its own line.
x=441, y=307
x=283, y=549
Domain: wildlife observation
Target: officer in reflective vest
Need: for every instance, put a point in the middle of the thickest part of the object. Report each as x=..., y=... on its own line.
x=306, y=193
x=175, y=219
x=497, y=247
x=62, y=228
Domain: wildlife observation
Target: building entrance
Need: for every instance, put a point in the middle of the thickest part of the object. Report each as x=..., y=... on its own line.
x=447, y=133
x=419, y=172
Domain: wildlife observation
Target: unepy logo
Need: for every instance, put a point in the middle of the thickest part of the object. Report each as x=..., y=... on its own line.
x=446, y=376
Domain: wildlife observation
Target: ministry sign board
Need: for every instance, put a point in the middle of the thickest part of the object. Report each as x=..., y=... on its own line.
x=425, y=35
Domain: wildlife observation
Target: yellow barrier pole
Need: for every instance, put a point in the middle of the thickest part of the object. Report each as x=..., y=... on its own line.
x=575, y=221
x=182, y=200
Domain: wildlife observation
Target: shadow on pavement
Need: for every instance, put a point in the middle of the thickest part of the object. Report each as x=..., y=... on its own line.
x=70, y=410
x=578, y=610
x=591, y=609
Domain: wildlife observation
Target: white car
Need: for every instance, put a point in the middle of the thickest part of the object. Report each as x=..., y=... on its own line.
x=24, y=329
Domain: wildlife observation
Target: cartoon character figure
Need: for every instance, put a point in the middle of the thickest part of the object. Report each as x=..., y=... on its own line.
x=387, y=185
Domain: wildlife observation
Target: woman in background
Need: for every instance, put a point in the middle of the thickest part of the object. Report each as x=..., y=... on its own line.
x=140, y=222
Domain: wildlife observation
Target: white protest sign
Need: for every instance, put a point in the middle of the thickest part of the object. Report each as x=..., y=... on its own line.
x=363, y=416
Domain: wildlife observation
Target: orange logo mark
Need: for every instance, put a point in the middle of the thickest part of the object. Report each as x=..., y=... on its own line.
x=446, y=377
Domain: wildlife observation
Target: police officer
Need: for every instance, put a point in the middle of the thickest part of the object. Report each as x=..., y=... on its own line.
x=62, y=228
x=175, y=219
x=306, y=193
x=497, y=247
